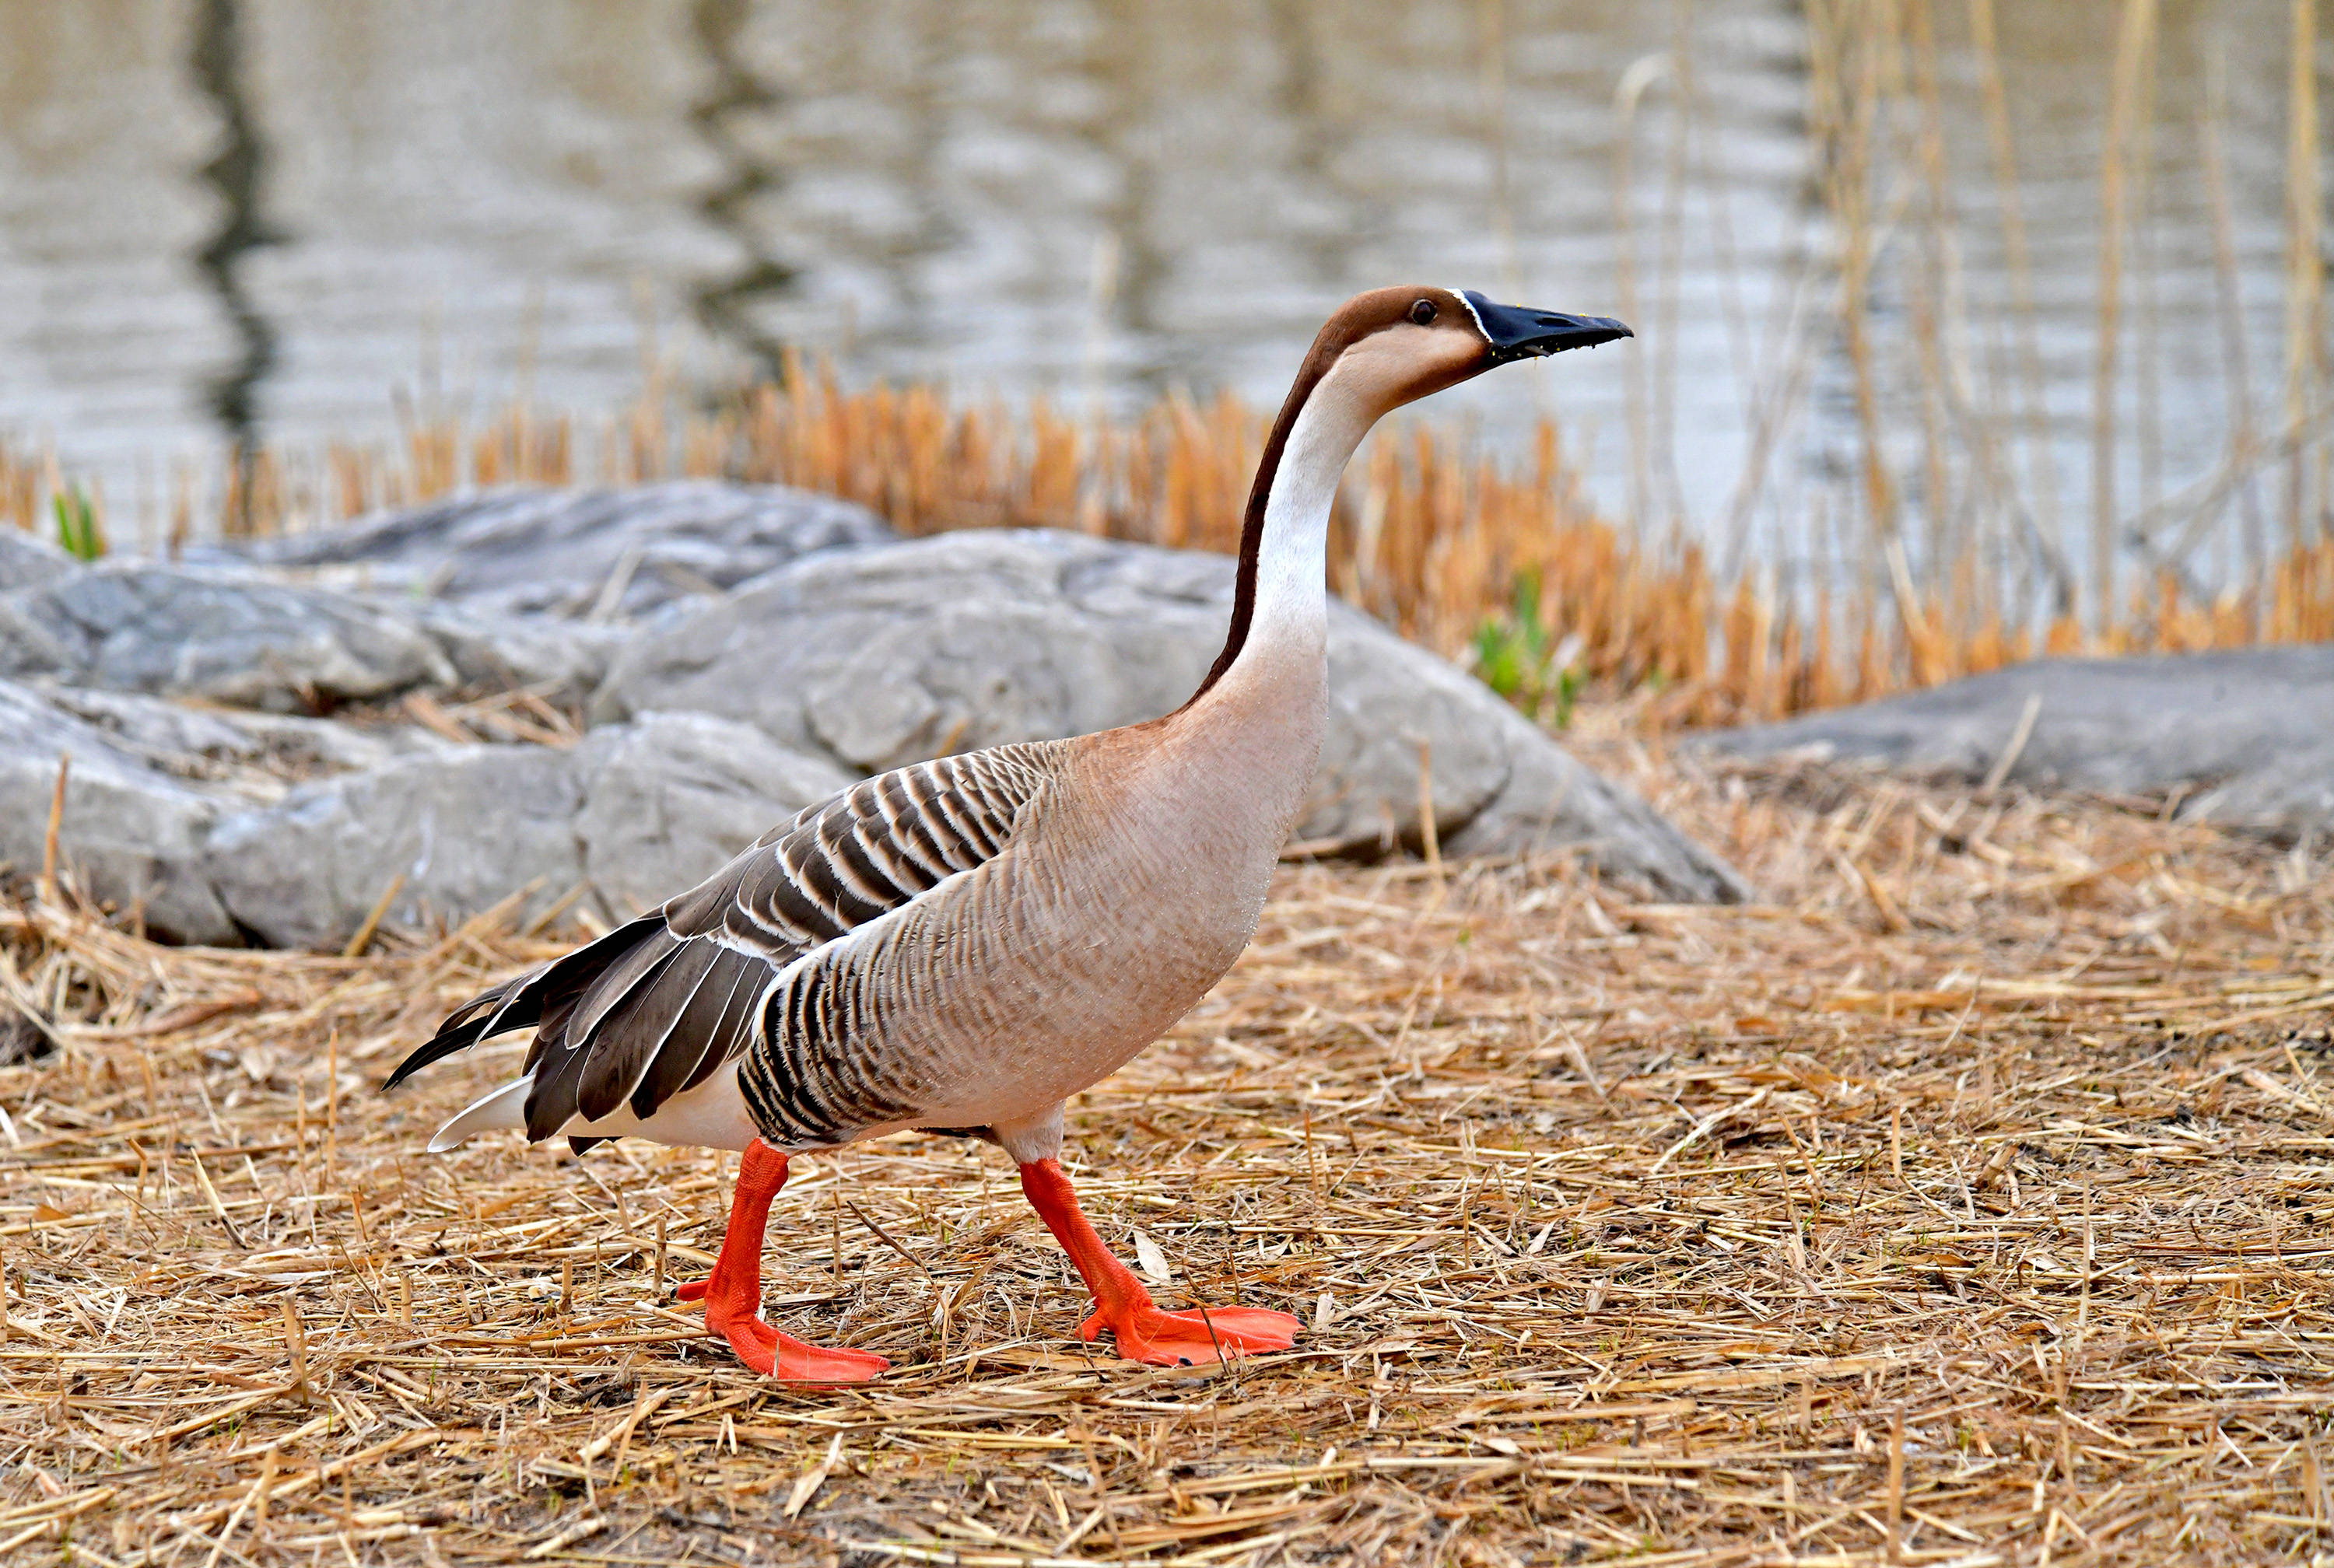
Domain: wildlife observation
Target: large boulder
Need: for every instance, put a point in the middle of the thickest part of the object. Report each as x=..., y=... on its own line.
x=202, y=793
x=131, y=833
x=462, y=831
x=27, y=562
x=491, y=650
x=2289, y=797
x=576, y=552
x=226, y=827
x=2249, y=733
x=968, y=640
x=256, y=755
x=631, y=815
x=669, y=797
x=235, y=637
x=225, y=637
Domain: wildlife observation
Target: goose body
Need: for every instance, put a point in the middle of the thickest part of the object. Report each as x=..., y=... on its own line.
x=963, y=944
x=883, y=1024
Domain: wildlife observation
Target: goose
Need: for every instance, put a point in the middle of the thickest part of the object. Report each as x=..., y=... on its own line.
x=960, y=945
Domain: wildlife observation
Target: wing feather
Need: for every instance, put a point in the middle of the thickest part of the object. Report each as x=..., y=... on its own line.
x=658, y=1006
x=634, y=1034
x=733, y=1030
x=536, y=997
x=706, y=1032
x=606, y=991
x=562, y=1060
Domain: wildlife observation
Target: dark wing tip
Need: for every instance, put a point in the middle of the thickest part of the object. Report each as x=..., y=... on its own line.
x=446, y=1043
x=490, y=1012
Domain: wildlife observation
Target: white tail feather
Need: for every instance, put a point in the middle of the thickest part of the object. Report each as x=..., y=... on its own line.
x=506, y=1107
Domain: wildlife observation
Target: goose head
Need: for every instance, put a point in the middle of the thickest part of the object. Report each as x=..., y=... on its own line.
x=1380, y=351
x=1394, y=346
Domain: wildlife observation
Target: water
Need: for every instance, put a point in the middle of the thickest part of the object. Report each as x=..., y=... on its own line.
x=263, y=219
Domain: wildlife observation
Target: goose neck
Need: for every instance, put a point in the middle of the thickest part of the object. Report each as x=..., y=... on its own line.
x=1289, y=619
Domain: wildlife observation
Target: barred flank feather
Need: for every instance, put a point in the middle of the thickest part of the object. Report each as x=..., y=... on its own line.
x=657, y=1006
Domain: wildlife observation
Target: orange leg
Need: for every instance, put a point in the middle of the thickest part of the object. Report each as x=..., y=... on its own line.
x=733, y=1296
x=1122, y=1305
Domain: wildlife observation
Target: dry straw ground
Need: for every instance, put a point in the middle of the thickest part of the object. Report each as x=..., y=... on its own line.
x=1964, y=1202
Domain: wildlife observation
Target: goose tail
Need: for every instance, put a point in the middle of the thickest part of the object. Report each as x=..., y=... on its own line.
x=486, y=1014
x=524, y=1000
x=506, y=1107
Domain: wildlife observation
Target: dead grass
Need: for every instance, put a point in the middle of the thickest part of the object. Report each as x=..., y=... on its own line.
x=1965, y=1202
x=1447, y=543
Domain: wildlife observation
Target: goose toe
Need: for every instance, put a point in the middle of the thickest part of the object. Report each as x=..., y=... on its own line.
x=1197, y=1339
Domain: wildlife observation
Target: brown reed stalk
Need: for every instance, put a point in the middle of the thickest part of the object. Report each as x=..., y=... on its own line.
x=2134, y=37
x=21, y=487
x=1628, y=94
x=2043, y=477
x=1845, y=78
x=1931, y=293
x=2236, y=368
x=1661, y=359
x=2147, y=432
x=2305, y=282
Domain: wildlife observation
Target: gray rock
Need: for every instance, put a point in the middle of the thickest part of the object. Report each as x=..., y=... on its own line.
x=465, y=830
x=257, y=755
x=975, y=639
x=131, y=834
x=489, y=650
x=718, y=719
x=1552, y=804
x=234, y=636
x=558, y=550
x=669, y=798
x=2288, y=798
x=199, y=815
x=2252, y=725
x=225, y=637
x=950, y=643
x=27, y=562
x=229, y=825
x=633, y=815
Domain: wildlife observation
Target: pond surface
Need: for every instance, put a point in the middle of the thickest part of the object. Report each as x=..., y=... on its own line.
x=275, y=220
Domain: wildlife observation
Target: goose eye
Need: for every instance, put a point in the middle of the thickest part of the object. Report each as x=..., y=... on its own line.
x=1422, y=312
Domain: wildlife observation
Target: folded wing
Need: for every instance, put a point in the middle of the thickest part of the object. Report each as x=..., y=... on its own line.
x=658, y=1004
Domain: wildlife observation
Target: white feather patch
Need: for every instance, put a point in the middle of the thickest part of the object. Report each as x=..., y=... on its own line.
x=1474, y=314
x=506, y=1107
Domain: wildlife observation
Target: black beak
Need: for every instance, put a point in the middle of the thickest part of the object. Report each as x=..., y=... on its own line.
x=1517, y=334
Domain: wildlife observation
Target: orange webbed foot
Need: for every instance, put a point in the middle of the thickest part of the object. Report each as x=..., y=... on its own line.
x=733, y=1294
x=1122, y=1305
x=1197, y=1339
x=797, y=1362
x=782, y=1356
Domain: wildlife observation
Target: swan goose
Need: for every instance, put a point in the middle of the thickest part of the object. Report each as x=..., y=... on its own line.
x=962, y=944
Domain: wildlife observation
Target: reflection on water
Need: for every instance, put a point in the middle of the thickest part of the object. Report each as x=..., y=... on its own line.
x=235, y=172
x=724, y=117
x=1109, y=198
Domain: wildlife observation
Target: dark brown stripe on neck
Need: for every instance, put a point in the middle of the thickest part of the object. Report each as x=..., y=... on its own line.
x=1325, y=353
x=1356, y=320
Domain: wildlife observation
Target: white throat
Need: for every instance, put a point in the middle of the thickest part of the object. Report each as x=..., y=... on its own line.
x=1291, y=616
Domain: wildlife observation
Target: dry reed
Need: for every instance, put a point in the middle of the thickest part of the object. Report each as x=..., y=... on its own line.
x=1430, y=535
x=1962, y=1203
